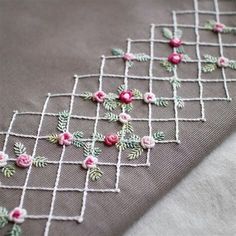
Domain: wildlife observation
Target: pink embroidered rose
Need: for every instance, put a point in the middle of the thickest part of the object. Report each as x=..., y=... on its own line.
x=17, y=215
x=149, y=97
x=65, y=138
x=175, y=58
x=175, y=42
x=124, y=118
x=218, y=27
x=223, y=62
x=24, y=160
x=99, y=96
x=128, y=56
x=111, y=139
x=3, y=159
x=89, y=162
x=147, y=142
x=126, y=96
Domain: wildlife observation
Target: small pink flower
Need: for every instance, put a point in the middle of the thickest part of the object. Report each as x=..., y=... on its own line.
x=223, y=62
x=149, y=97
x=218, y=27
x=99, y=96
x=126, y=96
x=147, y=142
x=17, y=215
x=175, y=58
x=175, y=42
x=65, y=138
x=24, y=160
x=124, y=118
x=128, y=56
x=111, y=139
x=89, y=162
x=3, y=159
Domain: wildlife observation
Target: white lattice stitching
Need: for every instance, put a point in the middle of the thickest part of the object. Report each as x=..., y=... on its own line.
x=151, y=40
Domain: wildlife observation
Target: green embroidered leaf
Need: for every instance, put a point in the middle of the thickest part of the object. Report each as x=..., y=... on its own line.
x=179, y=102
x=111, y=117
x=134, y=138
x=159, y=136
x=135, y=153
x=142, y=57
x=96, y=151
x=8, y=171
x=87, y=95
x=232, y=65
x=128, y=128
x=167, y=33
x=53, y=138
x=99, y=137
x=15, y=231
x=3, y=217
x=178, y=33
x=210, y=58
x=19, y=148
x=117, y=52
x=95, y=174
x=127, y=107
x=111, y=96
x=87, y=149
x=78, y=135
x=137, y=93
x=121, y=145
x=129, y=63
x=121, y=88
x=161, y=102
x=167, y=65
x=62, y=121
x=78, y=144
x=209, y=24
x=109, y=105
x=207, y=68
x=186, y=58
x=120, y=133
x=175, y=82
x=40, y=162
x=180, y=50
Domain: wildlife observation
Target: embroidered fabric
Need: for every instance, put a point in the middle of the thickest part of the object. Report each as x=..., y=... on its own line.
x=176, y=104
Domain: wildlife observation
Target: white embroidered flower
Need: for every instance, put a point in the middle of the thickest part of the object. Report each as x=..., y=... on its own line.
x=3, y=159
x=124, y=118
x=17, y=215
x=149, y=97
x=147, y=142
x=89, y=162
x=223, y=62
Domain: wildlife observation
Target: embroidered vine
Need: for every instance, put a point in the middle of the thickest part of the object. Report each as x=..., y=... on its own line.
x=129, y=58
x=212, y=63
x=23, y=160
x=16, y=216
x=176, y=43
x=218, y=27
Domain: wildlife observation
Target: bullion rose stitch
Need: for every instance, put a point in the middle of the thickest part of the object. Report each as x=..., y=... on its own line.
x=111, y=139
x=89, y=162
x=99, y=96
x=24, y=161
x=15, y=216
